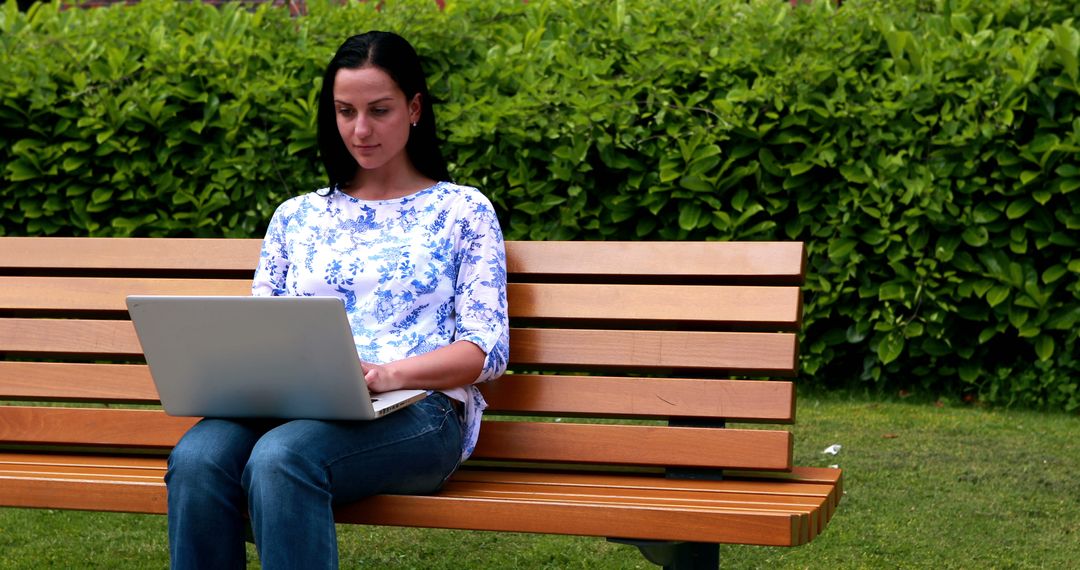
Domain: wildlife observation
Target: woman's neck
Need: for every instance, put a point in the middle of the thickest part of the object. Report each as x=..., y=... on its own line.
x=381, y=185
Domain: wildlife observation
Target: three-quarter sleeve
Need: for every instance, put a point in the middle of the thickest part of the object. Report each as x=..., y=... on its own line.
x=480, y=290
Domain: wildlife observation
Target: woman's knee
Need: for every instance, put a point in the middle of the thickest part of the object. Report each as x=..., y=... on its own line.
x=209, y=451
x=280, y=459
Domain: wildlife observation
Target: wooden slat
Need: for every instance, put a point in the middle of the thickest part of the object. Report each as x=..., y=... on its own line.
x=738, y=352
x=684, y=502
x=100, y=427
x=575, y=514
x=722, y=526
x=783, y=261
x=82, y=494
x=511, y=441
x=649, y=397
x=51, y=481
x=743, y=400
x=560, y=503
x=599, y=494
x=541, y=491
x=129, y=253
x=800, y=481
x=104, y=294
x=816, y=482
x=77, y=382
x=438, y=511
x=594, y=497
x=826, y=478
x=81, y=473
x=635, y=445
x=780, y=261
x=773, y=306
x=785, y=488
x=69, y=337
x=62, y=462
x=774, y=353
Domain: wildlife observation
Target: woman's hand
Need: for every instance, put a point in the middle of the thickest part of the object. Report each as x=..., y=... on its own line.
x=457, y=364
x=380, y=377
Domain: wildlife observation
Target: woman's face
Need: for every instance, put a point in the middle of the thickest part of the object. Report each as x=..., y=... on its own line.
x=373, y=117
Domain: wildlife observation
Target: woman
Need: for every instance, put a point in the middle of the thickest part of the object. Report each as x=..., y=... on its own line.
x=420, y=265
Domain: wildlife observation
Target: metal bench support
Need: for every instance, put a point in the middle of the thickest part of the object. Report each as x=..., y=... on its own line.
x=677, y=555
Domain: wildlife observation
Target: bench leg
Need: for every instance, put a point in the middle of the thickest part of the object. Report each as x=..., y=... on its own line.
x=695, y=556
x=677, y=555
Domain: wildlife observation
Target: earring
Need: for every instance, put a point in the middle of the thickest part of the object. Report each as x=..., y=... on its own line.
x=414, y=125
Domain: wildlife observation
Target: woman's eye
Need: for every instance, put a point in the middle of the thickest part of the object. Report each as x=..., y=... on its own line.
x=377, y=111
x=345, y=112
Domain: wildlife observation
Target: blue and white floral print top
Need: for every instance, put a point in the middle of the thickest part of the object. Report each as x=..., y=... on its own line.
x=416, y=273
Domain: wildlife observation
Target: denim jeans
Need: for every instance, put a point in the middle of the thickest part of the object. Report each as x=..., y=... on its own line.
x=288, y=475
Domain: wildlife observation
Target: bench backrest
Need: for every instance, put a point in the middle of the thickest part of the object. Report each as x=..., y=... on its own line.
x=602, y=332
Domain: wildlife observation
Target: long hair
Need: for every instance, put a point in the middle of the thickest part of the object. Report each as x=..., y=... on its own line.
x=394, y=55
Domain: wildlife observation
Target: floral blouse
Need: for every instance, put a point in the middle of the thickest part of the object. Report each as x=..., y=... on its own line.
x=416, y=273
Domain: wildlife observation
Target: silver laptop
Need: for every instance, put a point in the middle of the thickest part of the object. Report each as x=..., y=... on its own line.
x=268, y=357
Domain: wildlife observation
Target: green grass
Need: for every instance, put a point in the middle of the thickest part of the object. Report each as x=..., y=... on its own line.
x=926, y=487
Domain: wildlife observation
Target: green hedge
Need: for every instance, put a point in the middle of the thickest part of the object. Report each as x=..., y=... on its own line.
x=926, y=151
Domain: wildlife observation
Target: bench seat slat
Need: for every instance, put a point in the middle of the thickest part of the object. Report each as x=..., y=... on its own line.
x=738, y=352
x=713, y=511
x=776, y=307
x=47, y=488
x=61, y=460
x=86, y=494
x=803, y=481
x=672, y=502
x=598, y=494
x=657, y=523
x=723, y=526
x=746, y=400
x=500, y=440
x=812, y=512
x=81, y=474
x=821, y=485
x=800, y=481
x=540, y=492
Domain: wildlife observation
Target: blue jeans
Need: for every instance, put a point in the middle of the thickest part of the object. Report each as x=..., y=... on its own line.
x=288, y=475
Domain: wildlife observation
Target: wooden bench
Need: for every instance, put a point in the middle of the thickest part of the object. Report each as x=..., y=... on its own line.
x=603, y=332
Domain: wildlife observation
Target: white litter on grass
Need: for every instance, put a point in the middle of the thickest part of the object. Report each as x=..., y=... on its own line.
x=832, y=449
x=834, y=466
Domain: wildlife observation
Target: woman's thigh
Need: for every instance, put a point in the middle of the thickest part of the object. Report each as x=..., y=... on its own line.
x=410, y=451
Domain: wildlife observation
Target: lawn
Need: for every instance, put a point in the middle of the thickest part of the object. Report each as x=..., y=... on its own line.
x=927, y=486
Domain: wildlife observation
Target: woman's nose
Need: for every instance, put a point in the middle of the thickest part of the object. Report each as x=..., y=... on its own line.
x=361, y=128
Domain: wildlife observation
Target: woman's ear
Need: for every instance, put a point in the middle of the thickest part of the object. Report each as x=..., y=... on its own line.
x=415, y=107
